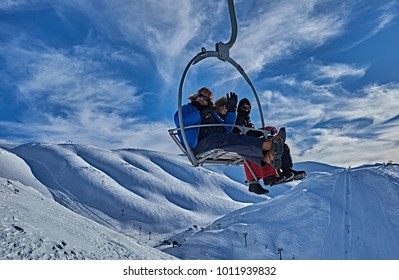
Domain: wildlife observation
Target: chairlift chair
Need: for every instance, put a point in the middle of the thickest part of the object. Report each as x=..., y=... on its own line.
x=216, y=156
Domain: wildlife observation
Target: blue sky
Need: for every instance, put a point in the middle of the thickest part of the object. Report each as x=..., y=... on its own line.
x=106, y=73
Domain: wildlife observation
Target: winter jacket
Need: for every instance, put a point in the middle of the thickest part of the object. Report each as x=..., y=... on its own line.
x=244, y=121
x=192, y=116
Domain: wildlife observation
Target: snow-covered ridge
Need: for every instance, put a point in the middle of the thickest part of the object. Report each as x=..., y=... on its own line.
x=55, y=198
x=345, y=214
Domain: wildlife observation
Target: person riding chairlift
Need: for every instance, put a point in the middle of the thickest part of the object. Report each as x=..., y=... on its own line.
x=269, y=175
x=202, y=139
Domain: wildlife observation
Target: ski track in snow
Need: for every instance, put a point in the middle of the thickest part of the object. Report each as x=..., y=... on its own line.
x=336, y=223
x=350, y=220
x=59, y=192
x=368, y=215
x=20, y=239
x=351, y=214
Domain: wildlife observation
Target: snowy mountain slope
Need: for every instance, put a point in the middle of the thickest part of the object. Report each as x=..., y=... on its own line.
x=132, y=189
x=102, y=204
x=35, y=227
x=14, y=168
x=346, y=214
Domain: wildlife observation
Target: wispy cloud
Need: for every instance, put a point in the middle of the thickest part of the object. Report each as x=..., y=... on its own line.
x=70, y=81
x=326, y=121
x=379, y=102
x=361, y=135
x=76, y=94
x=68, y=93
x=107, y=132
x=130, y=54
x=284, y=28
x=160, y=29
x=11, y=4
x=336, y=71
x=284, y=110
x=387, y=14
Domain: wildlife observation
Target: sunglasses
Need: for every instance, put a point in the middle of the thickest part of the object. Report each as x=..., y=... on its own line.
x=246, y=107
x=206, y=98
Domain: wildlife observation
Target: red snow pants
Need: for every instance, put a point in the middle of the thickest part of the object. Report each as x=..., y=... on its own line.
x=260, y=172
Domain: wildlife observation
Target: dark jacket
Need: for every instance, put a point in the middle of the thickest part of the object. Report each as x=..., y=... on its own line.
x=243, y=117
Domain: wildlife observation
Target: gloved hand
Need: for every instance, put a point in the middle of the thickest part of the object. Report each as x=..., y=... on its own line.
x=272, y=129
x=251, y=125
x=206, y=113
x=232, y=100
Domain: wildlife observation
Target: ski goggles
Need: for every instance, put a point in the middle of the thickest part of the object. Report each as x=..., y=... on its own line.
x=206, y=98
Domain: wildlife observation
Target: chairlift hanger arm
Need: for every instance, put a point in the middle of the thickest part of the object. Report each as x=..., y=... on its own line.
x=233, y=21
x=222, y=49
x=204, y=54
x=222, y=53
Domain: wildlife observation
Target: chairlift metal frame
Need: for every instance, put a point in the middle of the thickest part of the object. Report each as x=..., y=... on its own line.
x=216, y=156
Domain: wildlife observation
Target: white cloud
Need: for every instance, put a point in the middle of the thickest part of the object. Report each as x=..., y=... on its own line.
x=11, y=4
x=340, y=127
x=162, y=29
x=379, y=102
x=73, y=93
x=333, y=148
x=57, y=79
x=351, y=143
x=70, y=96
x=337, y=147
x=338, y=70
x=282, y=109
x=284, y=28
x=387, y=13
x=111, y=132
